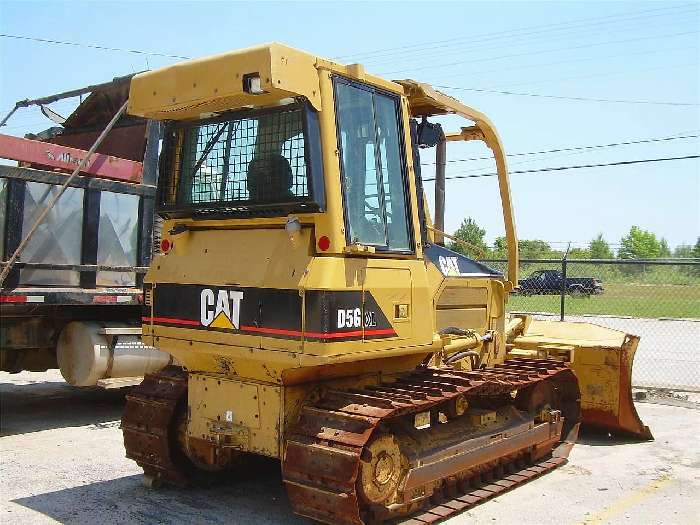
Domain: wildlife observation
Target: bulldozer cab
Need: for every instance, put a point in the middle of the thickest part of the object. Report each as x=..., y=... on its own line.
x=267, y=163
x=329, y=144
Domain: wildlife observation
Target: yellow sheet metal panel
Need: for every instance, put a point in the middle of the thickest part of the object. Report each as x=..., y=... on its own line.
x=391, y=288
x=357, y=72
x=599, y=383
x=466, y=318
x=195, y=88
x=578, y=334
x=220, y=356
x=331, y=223
x=454, y=296
x=243, y=416
x=263, y=257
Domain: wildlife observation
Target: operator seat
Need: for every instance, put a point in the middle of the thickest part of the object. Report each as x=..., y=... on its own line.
x=270, y=179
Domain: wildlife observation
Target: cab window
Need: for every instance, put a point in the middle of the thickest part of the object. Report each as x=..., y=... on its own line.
x=373, y=171
x=252, y=163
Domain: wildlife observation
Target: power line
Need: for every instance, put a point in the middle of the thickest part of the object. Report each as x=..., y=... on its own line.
x=91, y=46
x=693, y=64
x=481, y=45
x=580, y=99
x=576, y=148
x=572, y=61
x=562, y=168
x=530, y=52
x=481, y=36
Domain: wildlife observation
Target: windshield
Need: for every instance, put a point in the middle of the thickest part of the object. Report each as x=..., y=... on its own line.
x=239, y=162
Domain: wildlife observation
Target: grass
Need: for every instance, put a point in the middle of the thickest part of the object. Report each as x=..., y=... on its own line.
x=627, y=299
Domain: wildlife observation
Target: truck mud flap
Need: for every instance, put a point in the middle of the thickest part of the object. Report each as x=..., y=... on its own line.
x=602, y=360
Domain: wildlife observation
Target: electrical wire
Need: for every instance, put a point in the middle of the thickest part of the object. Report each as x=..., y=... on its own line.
x=481, y=36
x=562, y=168
x=539, y=51
x=573, y=61
x=628, y=73
x=91, y=46
x=483, y=45
x=561, y=97
x=677, y=136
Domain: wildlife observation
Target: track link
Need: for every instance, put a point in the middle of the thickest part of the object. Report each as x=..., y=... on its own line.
x=323, y=453
x=488, y=486
x=148, y=425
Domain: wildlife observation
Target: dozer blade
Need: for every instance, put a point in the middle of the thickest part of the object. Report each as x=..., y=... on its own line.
x=602, y=361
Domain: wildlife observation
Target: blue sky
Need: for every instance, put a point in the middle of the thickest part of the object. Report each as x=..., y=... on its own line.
x=635, y=51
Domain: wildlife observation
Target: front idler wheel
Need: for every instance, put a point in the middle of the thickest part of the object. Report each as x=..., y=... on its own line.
x=381, y=468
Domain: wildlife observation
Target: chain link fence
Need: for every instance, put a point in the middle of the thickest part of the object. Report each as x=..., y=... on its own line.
x=656, y=300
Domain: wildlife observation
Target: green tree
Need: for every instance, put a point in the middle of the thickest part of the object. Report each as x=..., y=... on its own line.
x=688, y=251
x=639, y=244
x=599, y=248
x=579, y=253
x=535, y=249
x=499, y=250
x=664, y=250
x=683, y=251
x=529, y=249
x=470, y=232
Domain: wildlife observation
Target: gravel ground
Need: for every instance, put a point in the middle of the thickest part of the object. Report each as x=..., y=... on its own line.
x=62, y=460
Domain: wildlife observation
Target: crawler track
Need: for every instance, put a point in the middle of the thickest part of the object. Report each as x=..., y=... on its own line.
x=323, y=455
x=489, y=485
x=148, y=424
x=324, y=451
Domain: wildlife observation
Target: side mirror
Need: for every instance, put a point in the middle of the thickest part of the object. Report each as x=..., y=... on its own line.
x=429, y=134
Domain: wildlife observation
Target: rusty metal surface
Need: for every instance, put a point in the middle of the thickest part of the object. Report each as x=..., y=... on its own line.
x=148, y=425
x=66, y=158
x=482, y=493
x=323, y=453
x=125, y=142
x=626, y=420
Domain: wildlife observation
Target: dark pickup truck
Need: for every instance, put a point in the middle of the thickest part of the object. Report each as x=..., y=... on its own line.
x=544, y=282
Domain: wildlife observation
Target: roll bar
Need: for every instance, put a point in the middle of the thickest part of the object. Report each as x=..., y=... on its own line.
x=426, y=101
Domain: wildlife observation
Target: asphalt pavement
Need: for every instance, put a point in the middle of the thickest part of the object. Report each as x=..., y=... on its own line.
x=62, y=461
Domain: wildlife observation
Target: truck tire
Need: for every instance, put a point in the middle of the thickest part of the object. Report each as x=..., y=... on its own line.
x=578, y=291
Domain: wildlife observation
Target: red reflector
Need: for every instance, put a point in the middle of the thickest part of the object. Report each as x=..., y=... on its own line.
x=165, y=246
x=13, y=298
x=100, y=299
x=324, y=243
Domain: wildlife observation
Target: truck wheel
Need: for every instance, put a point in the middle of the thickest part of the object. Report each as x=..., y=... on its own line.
x=577, y=291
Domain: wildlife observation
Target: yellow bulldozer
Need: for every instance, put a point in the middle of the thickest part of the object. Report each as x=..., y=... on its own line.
x=315, y=315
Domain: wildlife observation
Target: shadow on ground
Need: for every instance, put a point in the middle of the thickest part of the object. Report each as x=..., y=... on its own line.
x=255, y=496
x=597, y=438
x=42, y=405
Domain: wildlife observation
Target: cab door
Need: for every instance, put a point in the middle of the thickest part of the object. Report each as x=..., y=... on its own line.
x=373, y=168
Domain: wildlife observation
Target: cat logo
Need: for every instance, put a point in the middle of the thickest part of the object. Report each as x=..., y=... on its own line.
x=220, y=310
